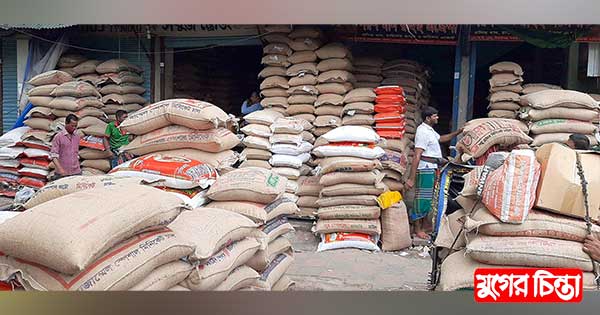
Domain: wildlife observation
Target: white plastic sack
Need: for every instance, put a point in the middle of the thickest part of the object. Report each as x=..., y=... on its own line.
x=5, y=215
x=9, y=153
x=281, y=160
x=36, y=153
x=291, y=149
x=354, y=151
x=352, y=134
x=12, y=137
x=347, y=240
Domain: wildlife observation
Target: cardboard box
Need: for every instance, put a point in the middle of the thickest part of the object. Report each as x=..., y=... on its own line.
x=559, y=188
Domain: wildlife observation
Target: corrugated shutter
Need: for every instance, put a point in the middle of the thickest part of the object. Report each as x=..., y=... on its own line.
x=196, y=42
x=116, y=44
x=9, y=83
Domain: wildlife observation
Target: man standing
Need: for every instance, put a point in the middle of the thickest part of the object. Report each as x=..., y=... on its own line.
x=115, y=138
x=423, y=171
x=65, y=150
x=252, y=104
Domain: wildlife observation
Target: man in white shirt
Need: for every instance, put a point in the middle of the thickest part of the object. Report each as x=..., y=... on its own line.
x=423, y=171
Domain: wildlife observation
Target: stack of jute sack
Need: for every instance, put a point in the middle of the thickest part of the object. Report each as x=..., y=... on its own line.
x=276, y=55
x=290, y=152
x=257, y=138
x=367, y=71
x=59, y=245
x=359, y=108
x=180, y=134
x=10, y=162
x=334, y=81
x=352, y=180
x=413, y=78
x=309, y=189
x=505, y=89
x=303, y=72
x=506, y=232
x=556, y=114
x=257, y=194
x=121, y=85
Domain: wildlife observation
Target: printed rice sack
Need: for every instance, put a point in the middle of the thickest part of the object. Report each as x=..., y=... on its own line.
x=258, y=212
x=349, y=212
x=562, y=126
x=223, y=161
x=559, y=98
x=164, y=277
x=479, y=138
x=69, y=233
x=240, y=278
x=347, y=240
x=250, y=184
x=274, y=271
x=370, y=227
x=176, y=172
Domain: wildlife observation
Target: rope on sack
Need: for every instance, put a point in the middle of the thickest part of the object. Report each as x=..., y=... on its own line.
x=588, y=221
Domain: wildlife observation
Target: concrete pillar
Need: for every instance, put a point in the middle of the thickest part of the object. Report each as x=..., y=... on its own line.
x=169, y=65
x=572, y=67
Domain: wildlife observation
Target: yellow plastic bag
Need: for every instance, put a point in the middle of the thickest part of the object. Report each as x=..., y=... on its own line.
x=388, y=199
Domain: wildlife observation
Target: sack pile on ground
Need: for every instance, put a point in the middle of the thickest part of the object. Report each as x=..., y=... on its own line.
x=359, y=108
x=556, y=114
x=59, y=245
x=335, y=79
x=367, y=71
x=182, y=142
x=309, y=189
x=290, y=152
x=505, y=90
x=257, y=151
x=351, y=180
x=15, y=148
x=259, y=195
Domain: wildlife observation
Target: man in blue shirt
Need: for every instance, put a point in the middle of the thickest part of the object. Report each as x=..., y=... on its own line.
x=252, y=104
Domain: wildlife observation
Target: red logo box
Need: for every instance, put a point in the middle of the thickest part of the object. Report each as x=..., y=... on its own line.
x=528, y=285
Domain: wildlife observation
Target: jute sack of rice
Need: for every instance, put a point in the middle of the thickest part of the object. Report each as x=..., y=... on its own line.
x=351, y=189
x=373, y=177
x=528, y=251
x=302, y=57
x=75, y=89
x=364, y=200
x=478, y=138
x=506, y=67
x=538, y=224
x=73, y=103
x=250, y=184
x=258, y=212
x=240, y=278
x=124, y=88
x=349, y=212
x=335, y=64
x=122, y=267
x=348, y=164
x=210, y=273
x=580, y=114
x=50, y=77
x=309, y=186
x=504, y=106
x=165, y=277
x=193, y=114
x=395, y=228
x=562, y=126
x=209, y=230
x=274, y=271
x=559, y=98
x=276, y=228
x=180, y=137
x=541, y=139
x=334, y=50
x=371, y=227
x=458, y=269
x=450, y=227
x=256, y=163
x=536, y=87
x=69, y=233
x=223, y=161
x=497, y=113
x=260, y=261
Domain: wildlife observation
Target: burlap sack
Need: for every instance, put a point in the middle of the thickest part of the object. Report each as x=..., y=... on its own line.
x=278, y=49
x=329, y=110
x=505, y=79
x=477, y=140
x=90, y=78
x=210, y=229
x=263, y=117
x=361, y=200
x=100, y=164
x=329, y=99
x=394, y=144
x=275, y=60
x=302, y=57
x=336, y=76
x=359, y=108
x=277, y=38
x=334, y=88
x=328, y=121
x=222, y=161
x=274, y=82
x=301, y=32
x=286, y=139
x=75, y=89
x=349, y=212
x=273, y=272
x=210, y=273
x=113, y=66
x=296, y=109
x=274, y=92
x=368, y=78
x=351, y=189
x=255, y=154
x=395, y=228
x=502, y=114
x=370, y=227
x=72, y=103
x=504, y=96
x=305, y=44
x=335, y=64
x=308, y=202
x=517, y=88
x=256, y=163
x=309, y=186
x=241, y=277
x=283, y=284
x=562, y=126
x=334, y=50
x=544, y=138
x=119, y=78
x=536, y=87
x=360, y=95
x=558, y=113
x=63, y=235
x=120, y=268
x=303, y=90
x=50, y=77
x=70, y=60
x=308, y=117
x=393, y=185
x=179, y=137
x=272, y=71
x=91, y=154
x=506, y=67
x=559, y=98
x=274, y=102
x=348, y=164
x=85, y=112
x=179, y=288
x=260, y=261
x=193, y=114
x=123, y=99
x=43, y=90
x=257, y=130
x=248, y=184
x=373, y=177
x=307, y=79
x=505, y=106
x=528, y=251
x=457, y=273
x=86, y=67
x=276, y=228
x=39, y=123
x=165, y=277
x=302, y=69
